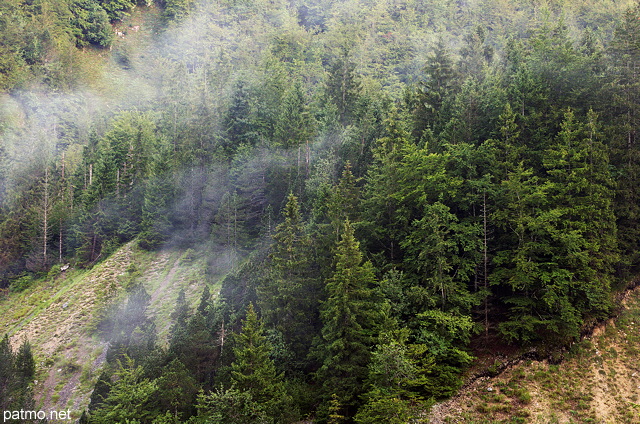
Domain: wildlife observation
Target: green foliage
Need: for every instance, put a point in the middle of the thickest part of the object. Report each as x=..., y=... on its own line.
x=387, y=409
x=17, y=371
x=351, y=316
x=91, y=23
x=129, y=330
x=428, y=103
x=290, y=293
x=117, y=9
x=252, y=369
x=25, y=365
x=158, y=195
x=230, y=406
x=130, y=398
x=21, y=283
x=254, y=372
x=490, y=178
x=343, y=88
x=399, y=368
x=294, y=125
x=560, y=250
x=177, y=390
x=177, y=9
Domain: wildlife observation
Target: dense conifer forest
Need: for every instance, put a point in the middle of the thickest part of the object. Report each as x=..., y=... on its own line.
x=381, y=184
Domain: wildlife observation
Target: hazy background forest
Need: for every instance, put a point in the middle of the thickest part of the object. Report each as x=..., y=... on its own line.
x=378, y=186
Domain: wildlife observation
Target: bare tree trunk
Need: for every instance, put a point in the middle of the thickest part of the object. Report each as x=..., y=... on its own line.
x=222, y=334
x=485, y=263
x=93, y=247
x=60, y=243
x=45, y=217
x=308, y=158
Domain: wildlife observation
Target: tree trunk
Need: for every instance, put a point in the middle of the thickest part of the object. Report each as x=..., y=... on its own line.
x=45, y=218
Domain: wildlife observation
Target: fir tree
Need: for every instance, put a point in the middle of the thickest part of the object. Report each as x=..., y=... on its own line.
x=7, y=372
x=25, y=365
x=350, y=317
x=254, y=372
x=289, y=295
x=205, y=301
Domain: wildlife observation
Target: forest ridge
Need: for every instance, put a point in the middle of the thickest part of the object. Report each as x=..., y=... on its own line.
x=376, y=185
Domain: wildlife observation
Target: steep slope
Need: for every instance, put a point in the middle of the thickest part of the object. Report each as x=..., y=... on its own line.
x=57, y=316
x=598, y=381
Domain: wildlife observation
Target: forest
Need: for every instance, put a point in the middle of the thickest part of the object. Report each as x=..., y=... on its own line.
x=382, y=184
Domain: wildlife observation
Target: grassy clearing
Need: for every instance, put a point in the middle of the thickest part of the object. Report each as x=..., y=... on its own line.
x=57, y=315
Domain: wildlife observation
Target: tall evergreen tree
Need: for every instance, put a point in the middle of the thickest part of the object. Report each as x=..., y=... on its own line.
x=155, y=223
x=343, y=88
x=428, y=103
x=625, y=145
x=25, y=365
x=131, y=398
x=7, y=373
x=385, y=221
x=254, y=372
x=289, y=295
x=294, y=125
x=351, y=316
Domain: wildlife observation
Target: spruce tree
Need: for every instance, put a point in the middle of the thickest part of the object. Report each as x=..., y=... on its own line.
x=7, y=372
x=430, y=99
x=624, y=146
x=25, y=365
x=155, y=214
x=131, y=398
x=343, y=88
x=205, y=301
x=254, y=372
x=384, y=219
x=350, y=317
x=289, y=295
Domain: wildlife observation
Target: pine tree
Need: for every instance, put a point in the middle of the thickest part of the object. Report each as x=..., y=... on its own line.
x=519, y=262
x=343, y=202
x=252, y=369
x=131, y=398
x=205, y=301
x=384, y=220
x=625, y=148
x=580, y=190
x=155, y=222
x=350, y=317
x=193, y=344
x=428, y=103
x=343, y=88
x=133, y=334
x=239, y=123
x=294, y=125
x=180, y=314
x=289, y=295
x=25, y=365
x=7, y=373
x=254, y=372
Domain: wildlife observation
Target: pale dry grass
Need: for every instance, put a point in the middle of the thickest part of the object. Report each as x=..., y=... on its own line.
x=598, y=382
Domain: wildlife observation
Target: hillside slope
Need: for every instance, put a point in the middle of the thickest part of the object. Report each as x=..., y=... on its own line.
x=597, y=382
x=57, y=316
